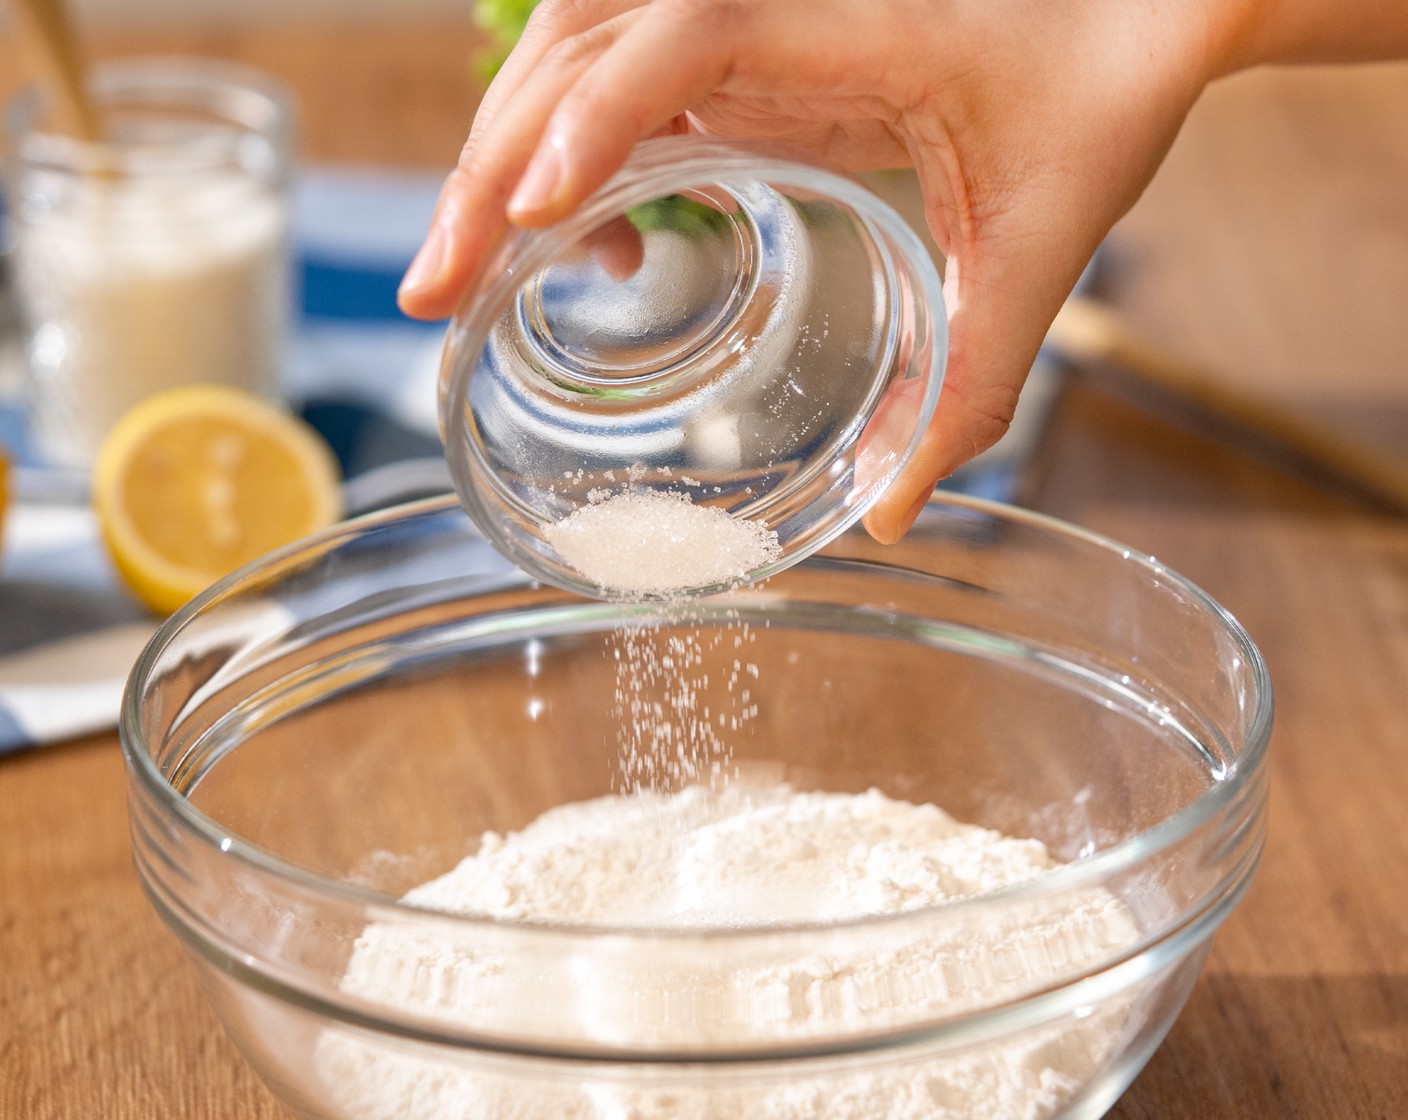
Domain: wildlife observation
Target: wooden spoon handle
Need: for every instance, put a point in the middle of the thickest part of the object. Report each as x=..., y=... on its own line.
x=48, y=40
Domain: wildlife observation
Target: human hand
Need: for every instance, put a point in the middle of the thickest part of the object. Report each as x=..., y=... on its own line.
x=1033, y=127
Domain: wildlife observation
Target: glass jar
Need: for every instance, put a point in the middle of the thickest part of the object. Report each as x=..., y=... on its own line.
x=157, y=257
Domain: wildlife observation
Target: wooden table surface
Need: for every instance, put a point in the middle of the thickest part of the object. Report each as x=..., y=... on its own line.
x=1272, y=249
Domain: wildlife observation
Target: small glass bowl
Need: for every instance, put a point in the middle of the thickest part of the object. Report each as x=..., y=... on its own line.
x=757, y=335
x=316, y=735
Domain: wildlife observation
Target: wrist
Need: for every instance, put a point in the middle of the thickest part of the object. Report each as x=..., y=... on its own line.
x=1247, y=33
x=1236, y=35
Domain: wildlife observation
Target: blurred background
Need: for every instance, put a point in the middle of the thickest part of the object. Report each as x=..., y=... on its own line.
x=1253, y=297
x=1268, y=259
x=104, y=14
x=1237, y=405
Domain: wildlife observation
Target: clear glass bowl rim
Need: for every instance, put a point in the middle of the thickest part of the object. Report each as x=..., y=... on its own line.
x=1077, y=874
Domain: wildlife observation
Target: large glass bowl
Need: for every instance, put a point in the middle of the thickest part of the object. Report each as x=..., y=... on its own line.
x=319, y=733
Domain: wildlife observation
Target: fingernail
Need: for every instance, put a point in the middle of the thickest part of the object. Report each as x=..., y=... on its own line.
x=886, y=531
x=427, y=263
x=912, y=515
x=539, y=186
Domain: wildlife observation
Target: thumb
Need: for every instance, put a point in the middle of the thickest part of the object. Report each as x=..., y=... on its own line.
x=1002, y=291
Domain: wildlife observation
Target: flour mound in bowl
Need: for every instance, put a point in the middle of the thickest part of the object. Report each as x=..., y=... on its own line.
x=726, y=859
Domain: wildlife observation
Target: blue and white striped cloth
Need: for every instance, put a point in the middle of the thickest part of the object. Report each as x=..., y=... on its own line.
x=365, y=375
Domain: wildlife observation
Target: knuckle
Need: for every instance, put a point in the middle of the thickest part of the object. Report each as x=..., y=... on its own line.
x=554, y=19
x=572, y=51
x=988, y=413
x=566, y=33
x=469, y=180
x=717, y=18
x=459, y=178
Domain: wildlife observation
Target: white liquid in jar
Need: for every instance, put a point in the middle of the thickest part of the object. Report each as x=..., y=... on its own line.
x=136, y=285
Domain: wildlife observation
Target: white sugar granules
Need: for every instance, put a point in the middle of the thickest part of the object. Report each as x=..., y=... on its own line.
x=740, y=857
x=679, y=702
x=653, y=542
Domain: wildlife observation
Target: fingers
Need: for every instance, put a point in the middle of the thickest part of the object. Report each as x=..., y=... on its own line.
x=1029, y=146
x=888, y=432
x=561, y=122
x=549, y=24
x=470, y=215
x=617, y=247
x=663, y=63
x=1018, y=223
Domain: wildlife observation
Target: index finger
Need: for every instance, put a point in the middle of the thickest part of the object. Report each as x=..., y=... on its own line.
x=664, y=64
x=568, y=127
x=551, y=22
x=469, y=214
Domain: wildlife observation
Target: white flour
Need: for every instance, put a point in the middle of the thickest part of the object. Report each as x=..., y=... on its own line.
x=652, y=542
x=742, y=857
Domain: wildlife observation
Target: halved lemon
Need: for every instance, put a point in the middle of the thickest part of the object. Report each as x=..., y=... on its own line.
x=194, y=482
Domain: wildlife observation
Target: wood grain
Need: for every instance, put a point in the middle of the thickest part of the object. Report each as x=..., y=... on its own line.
x=1272, y=247
x=1089, y=333
x=1303, y=1009
x=367, y=92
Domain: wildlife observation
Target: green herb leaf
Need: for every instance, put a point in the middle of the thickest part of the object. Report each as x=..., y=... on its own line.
x=678, y=213
x=504, y=20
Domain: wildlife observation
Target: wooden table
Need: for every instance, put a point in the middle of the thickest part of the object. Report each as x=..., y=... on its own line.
x=1273, y=248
